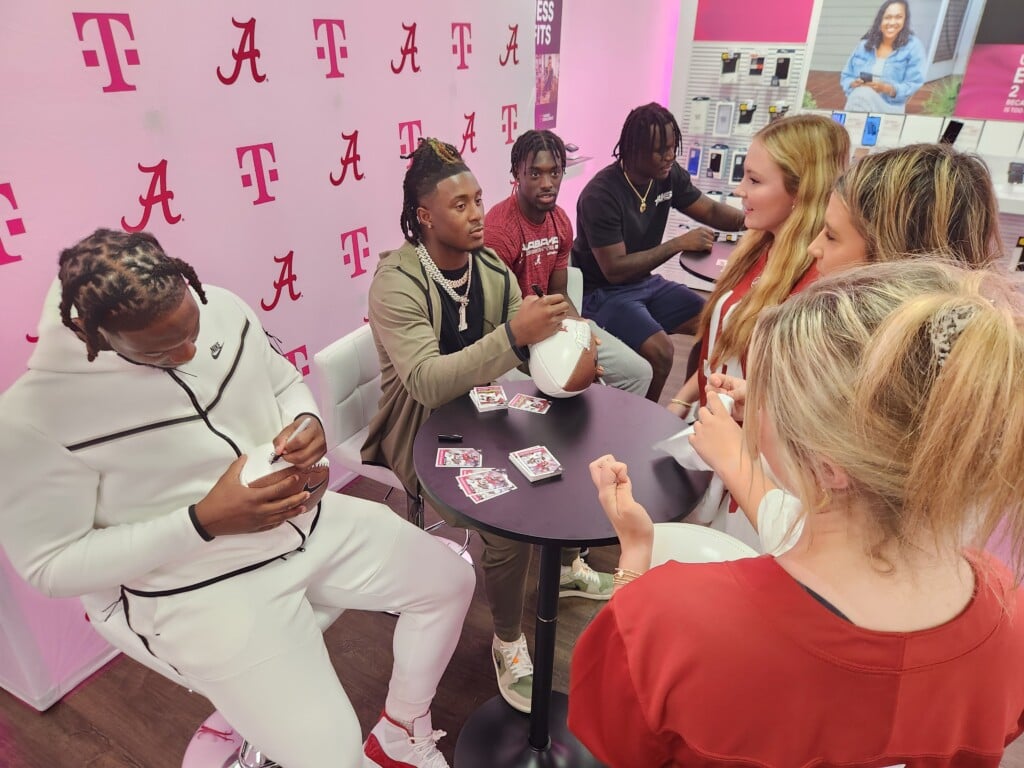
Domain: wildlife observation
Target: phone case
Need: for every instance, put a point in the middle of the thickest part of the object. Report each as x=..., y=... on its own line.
x=699, y=114
x=693, y=160
x=738, y=159
x=723, y=118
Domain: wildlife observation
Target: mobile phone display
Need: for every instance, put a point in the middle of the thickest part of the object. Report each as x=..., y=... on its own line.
x=693, y=160
x=756, y=65
x=839, y=117
x=867, y=77
x=870, y=136
x=782, y=68
x=723, y=118
x=738, y=159
x=953, y=128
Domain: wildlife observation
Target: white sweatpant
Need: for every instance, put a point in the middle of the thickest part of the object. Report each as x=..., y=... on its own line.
x=252, y=645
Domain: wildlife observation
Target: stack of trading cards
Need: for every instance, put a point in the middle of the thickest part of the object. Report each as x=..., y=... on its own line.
x=529, y=403
x=459, y=457
x=484, y=483
x=536, y=463
x=488, y=398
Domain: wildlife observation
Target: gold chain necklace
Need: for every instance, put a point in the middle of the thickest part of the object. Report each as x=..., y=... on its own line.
x=643, y=197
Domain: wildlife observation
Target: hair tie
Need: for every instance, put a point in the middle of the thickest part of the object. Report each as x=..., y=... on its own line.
x=946, y=329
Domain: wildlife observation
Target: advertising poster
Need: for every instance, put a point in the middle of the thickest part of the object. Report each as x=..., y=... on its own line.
x=993, y=87
x=547, y=44
x=893, y=56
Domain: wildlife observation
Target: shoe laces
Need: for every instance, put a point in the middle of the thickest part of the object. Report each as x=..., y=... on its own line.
x=583, y=572
x=425, y=748
x=517, y=658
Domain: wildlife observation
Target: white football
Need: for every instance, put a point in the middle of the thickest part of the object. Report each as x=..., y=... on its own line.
x=565, y=363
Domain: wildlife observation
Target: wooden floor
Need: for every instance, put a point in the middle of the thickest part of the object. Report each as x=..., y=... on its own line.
x=128, y=717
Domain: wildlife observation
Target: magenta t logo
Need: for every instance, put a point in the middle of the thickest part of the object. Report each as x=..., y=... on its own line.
x=331, y=50
x=509, y=120
x=109, y=45
x=262, y=179
x=413, y=130
x=463, y=46
x=298, y=358
x=14, y=226
x=358, y=252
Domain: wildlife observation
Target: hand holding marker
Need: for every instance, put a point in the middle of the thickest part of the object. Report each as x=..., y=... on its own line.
x=305, y=423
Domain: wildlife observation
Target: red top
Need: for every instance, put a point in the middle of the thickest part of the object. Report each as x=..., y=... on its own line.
x=735, y=664
x=532, y=251
x=733, y=298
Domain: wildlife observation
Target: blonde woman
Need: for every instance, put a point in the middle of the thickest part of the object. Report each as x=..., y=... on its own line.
x=886, y=636
x=790, y=169
x=918, y=199
x=922, y=199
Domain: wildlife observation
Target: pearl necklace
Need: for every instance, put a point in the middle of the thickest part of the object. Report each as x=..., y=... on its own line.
x=643, y=198
x=449, y=285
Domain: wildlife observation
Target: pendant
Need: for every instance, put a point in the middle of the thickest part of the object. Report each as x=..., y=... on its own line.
x=643, y=206
x=463, y=325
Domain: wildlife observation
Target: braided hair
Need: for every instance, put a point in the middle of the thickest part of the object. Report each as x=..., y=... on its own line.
x=120, y=280
x=432, y=161
x=532, y=142
x=638, y=133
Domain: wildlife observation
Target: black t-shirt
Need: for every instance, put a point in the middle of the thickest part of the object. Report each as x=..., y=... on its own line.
x=608, y=212
x=452, y=339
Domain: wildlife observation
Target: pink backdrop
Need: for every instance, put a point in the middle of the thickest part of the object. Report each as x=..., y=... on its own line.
x=259, y=141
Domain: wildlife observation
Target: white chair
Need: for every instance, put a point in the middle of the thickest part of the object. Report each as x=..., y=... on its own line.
x=348, y=395
x=215, y=744
x=689, y=543
x=574, y=287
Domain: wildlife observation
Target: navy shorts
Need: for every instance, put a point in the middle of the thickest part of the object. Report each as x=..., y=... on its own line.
x=636, y=311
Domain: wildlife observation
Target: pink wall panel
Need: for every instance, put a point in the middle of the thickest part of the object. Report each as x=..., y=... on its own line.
x=237, y=114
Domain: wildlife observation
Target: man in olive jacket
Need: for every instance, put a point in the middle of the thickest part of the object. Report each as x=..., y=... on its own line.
x=446, y=316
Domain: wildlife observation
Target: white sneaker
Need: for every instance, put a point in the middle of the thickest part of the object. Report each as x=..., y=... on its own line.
x=392, y=745
x=514, y=668
x=580, y=580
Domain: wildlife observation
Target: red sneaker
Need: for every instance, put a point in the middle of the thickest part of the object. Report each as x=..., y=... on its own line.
x=392, y=745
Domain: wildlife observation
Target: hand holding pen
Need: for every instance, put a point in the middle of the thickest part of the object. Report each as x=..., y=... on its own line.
x=303, y=446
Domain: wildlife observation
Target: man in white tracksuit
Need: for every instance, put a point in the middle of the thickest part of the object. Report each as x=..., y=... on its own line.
x=122, y=457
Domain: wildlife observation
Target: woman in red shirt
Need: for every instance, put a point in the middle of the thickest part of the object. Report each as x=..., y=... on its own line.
x=788, y=174
x=885, y=636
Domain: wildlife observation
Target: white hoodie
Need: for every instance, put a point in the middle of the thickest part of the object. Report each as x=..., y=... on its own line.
x=102, y=460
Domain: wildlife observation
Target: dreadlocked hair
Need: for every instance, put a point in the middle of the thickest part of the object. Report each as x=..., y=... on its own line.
x=645, y=129
x=120, y=280
x=533, y=142
x=432, y=161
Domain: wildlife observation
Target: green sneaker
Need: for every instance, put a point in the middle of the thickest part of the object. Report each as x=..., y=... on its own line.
x=514, y=668
x=580, y=580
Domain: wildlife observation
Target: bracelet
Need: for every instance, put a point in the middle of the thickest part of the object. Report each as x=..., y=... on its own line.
x=677, y=401
x=623, y=576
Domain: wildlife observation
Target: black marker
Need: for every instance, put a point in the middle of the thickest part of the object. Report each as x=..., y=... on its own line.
x=449, y=438
x=536, y=289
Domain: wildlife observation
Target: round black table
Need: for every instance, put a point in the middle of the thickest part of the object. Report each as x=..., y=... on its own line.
x=556, y=512
x=707, y=265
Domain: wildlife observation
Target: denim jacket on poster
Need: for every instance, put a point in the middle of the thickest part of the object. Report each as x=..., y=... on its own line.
x=904, y=69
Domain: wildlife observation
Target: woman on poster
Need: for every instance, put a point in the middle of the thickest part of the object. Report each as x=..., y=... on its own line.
x=888, y=65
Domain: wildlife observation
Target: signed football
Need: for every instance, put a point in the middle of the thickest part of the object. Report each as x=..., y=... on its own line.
x=258, y=472
x=565, y=363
